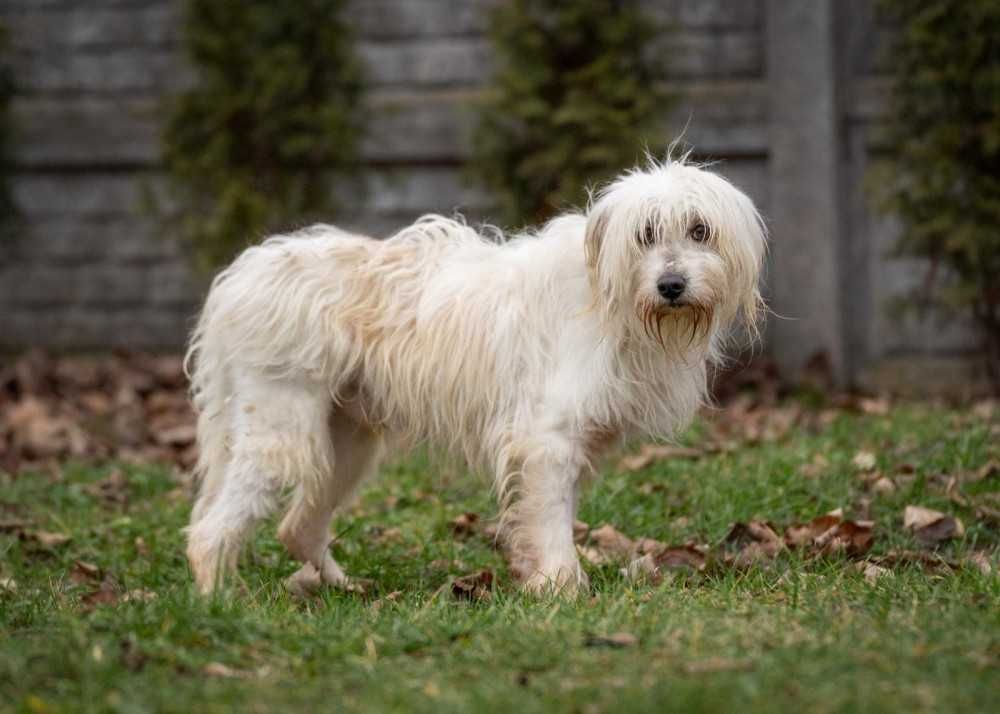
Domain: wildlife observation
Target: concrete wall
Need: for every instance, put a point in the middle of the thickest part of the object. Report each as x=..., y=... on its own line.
x=785, y=92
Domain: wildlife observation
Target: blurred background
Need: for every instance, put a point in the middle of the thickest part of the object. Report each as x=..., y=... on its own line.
x=146, y=141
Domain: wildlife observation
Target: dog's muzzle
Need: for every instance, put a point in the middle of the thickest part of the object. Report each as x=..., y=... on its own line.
x=671, y=286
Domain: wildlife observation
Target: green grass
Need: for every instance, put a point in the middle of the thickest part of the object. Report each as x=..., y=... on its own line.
x=794, y=635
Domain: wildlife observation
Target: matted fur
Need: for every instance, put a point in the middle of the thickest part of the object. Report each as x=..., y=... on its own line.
x=527, y=357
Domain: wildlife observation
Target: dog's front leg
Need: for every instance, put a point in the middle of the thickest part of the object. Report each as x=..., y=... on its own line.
x=544, y=516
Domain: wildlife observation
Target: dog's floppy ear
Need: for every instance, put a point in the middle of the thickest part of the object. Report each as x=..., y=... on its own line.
x=597, y=225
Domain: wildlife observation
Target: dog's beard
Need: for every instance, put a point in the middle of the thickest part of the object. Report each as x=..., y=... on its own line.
x=675, y=325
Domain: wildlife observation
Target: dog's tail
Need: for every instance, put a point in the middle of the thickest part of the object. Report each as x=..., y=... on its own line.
x=208, y=372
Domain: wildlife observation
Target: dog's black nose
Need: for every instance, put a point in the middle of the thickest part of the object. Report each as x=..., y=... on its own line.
x=671, y=285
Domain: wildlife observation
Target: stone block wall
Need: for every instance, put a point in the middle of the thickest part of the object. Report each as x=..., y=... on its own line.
x=793, y=123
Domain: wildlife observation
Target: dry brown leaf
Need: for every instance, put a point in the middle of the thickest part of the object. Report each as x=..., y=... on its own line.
x=864, y=461
x=592, y=555
x=47, y=539
x=988, y=470
x=464, y=525
x=831, y=533
x=612, y=542
x=918, y=517
x=751, y=542
x=14, y=525
x=581, y=531
x=139, y=595
x=872, y=572
x=985, y=409
x=684, y=556
x=618, y=640
x=815, y=468
x=218, y=669
x=851, y=537
x=106, y=594
x=931, y=527
x=877, y=406
x=653, y=564
x=477, y=586
x=801, y=535
x=884, y=486
x=651, y=453
x=648, y=545
x=718, y=664
x=926, y=560
x=981, y=562
x=83, y=572
x=112, y=490
x=641, y=569
x=388, y=535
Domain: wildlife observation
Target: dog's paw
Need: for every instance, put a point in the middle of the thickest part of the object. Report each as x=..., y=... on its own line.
x=568, y=581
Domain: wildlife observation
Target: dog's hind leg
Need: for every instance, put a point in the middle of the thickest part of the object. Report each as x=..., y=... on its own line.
x=278, y=434
x=305, y=529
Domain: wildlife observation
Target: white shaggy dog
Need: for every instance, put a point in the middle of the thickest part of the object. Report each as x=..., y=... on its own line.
x=528, y=357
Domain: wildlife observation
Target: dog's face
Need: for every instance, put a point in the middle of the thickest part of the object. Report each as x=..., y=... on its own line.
x=676, y=251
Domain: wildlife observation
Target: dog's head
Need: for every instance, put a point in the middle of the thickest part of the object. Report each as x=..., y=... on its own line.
x=675, y=251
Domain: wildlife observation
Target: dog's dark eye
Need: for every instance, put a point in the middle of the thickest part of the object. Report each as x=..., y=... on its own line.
x=648, y=236
x=699, y=233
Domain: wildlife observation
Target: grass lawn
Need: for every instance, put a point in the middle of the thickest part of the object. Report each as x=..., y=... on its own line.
x=792, y=634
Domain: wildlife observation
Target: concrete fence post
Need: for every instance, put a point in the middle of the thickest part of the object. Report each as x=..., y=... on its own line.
x=804, y=273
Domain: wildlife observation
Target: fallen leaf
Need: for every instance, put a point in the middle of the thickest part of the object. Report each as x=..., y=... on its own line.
x=884, y=486
x=83, y=572
x=851, y=537
x=387, y=535
x=652, y=565
x=112, y=490
x=931, y=527
x=648, y=545
x=864, y=461
x=106, y=594
x=47, y=539
x=641, y=569
x=650, y=453
x=16, y=526
x=612, y=542
x=872, y=572
x=133, y=658
x=218, y=669
x=918, y=517
x=580, y=532
x=988, y=470
x=928, y=561
x=799, y=535
x=718, y=664
x=139, y=595
x=477, y=586
x=815, y=468
x=877, y=406
x=617, y=640
x=985, y=409
x=464, y=525
x=981, y=562
x=684, y=556
x=752, y=542
x=592, y=555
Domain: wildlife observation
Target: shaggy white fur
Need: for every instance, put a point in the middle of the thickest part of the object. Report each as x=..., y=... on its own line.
x=528, y=357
